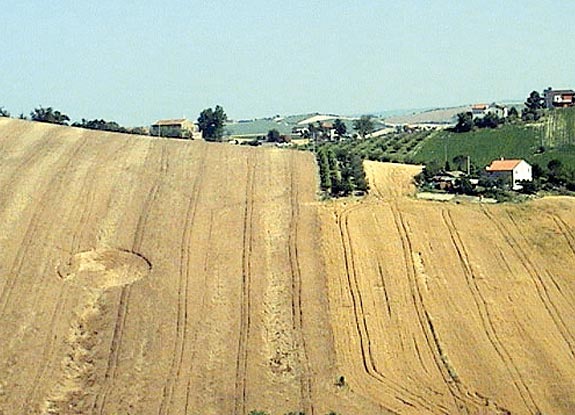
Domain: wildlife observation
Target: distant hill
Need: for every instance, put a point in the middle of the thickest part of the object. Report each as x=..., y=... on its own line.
x=260, y=126
x=284, y=125
x=538, y=143
x=437, y=115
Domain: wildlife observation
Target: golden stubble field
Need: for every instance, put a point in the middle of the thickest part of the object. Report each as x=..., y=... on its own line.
x=145, y=276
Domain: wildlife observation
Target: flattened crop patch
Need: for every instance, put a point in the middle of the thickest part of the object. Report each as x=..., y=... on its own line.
x=104, y=268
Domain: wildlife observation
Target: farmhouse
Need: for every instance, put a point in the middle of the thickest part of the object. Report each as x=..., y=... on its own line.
x=481, y=110
x=512, y=172
x=180, y=128
x=559, y=98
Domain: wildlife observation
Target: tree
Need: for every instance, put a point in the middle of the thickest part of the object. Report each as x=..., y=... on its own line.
x=101, y=125
x=460, y=162
x=512, y=114
x=139, y=131
x=534, y=101
x=364, y=125
x=273, y=136
x=211, y=123
x=358, y=174
x=340, y=128
x=464, y=122
x=49, y=115
x=555, y=167
x=4, y=113
x=490, y=120
x=431, y=169
x=533, y=106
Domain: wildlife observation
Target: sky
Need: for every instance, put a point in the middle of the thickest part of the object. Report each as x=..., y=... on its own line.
x=138, y=61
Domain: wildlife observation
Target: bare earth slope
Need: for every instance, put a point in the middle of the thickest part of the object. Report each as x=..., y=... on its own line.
x=145, y=276
x=444, y=309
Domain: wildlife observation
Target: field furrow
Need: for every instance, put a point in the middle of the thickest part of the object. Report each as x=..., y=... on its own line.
x=155, y=276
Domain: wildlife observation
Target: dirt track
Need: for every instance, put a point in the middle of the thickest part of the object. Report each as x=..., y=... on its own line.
x=148, y=276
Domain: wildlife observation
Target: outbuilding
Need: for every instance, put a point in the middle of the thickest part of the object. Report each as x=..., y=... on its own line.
x=510, y=171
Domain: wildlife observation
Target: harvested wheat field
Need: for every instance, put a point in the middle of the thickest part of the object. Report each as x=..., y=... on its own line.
x=146, y=276
x=445, y=309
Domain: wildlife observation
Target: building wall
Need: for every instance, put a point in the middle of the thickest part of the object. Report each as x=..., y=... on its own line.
x=522, y=172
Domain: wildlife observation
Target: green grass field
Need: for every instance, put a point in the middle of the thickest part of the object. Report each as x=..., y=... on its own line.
x=555, y=133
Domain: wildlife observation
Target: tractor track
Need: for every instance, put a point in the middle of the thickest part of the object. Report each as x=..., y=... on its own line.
x=297, y=306
x=86, y=198
x=202, y=312
x=522, y=253
x=465, y=398
x=52, y=189
x=183, y=284
x=245, y=307
x=565, y=229
x=524, y=246
x=485, y=315
x=124, y=298
x=403, y=395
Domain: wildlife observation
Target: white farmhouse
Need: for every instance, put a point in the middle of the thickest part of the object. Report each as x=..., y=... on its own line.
x=511, y=171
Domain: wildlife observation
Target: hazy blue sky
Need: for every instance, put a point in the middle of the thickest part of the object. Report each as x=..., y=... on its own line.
x=137, y=61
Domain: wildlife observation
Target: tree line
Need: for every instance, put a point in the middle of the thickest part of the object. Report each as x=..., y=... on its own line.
x=53, y=116
x=210, y=122
x=341, y=173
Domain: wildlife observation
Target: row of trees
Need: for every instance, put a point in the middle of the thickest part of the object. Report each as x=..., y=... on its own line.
x=112, y=126
x=211, y=122
x=53, y=116
x=340, y=173
x=363, y=125
x=466, y=122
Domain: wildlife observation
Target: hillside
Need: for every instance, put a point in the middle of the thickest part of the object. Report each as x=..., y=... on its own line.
x=155, y=276
x=148, y=276
x=555, y=135
x=551, y=138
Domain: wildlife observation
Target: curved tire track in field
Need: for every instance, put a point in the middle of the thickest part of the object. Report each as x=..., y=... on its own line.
x=183, y=283
x=297, y=313
x=403, y=395
x=521, y=251
x=466, y=399
x=245, y=306
x=566, y=231
x=483, y=311
x=124, y=301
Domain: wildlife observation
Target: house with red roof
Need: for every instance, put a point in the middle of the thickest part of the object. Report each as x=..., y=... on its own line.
x=512, y=172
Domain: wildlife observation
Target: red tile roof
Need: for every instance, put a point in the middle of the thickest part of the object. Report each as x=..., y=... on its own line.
x=503, y=165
